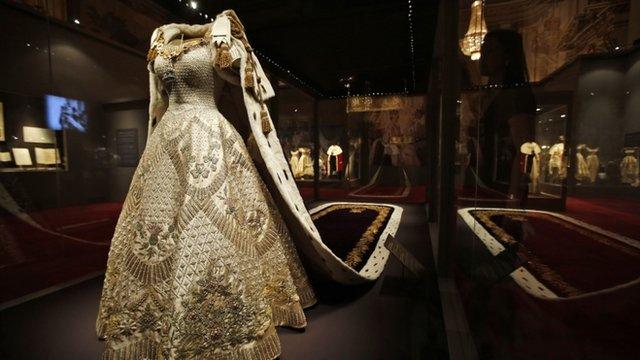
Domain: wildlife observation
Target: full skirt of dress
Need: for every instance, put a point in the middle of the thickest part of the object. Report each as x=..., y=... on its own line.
x=201, y=264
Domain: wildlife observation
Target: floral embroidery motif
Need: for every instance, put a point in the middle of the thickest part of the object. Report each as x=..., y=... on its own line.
x=219, y=316
x=153, y=242
x=203, y=168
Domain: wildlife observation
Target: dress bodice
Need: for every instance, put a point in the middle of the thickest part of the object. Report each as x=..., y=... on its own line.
x=188, y=78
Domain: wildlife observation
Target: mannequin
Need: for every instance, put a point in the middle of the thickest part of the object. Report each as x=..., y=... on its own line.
x=582, y=169
x=336, y=160
x=305, y=163
x=593, y=163
x=532, y=150
x=557, y=168
x=293, y=162
x=354, y=148
x=629, y=167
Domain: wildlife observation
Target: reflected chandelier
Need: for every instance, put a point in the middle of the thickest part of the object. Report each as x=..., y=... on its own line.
x=471, y=43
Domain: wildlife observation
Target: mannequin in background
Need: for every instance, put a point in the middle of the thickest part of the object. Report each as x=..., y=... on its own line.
x=582, y=169
x=305, y=163
x=629, y=167
x=336, y=160
x=293, y=162
x=593, y=163
x=557, y=165
x=531, y=151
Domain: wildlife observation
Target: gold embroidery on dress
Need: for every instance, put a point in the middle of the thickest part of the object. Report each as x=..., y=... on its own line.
x=201, y=263
x=159, y=48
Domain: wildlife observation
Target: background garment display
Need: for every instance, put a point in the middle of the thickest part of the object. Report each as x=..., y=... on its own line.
x=353, y=160
x=205, y=260
x=336, y=160
x=305, y=164
x=293, y=163
x=557, y=166
x=582, y=169
x=629, y=168
x=593, y=163
x=532, y=163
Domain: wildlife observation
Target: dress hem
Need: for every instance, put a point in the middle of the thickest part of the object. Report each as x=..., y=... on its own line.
x=265, y=348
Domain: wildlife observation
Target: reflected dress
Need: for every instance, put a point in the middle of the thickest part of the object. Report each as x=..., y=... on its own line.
x=201, y=264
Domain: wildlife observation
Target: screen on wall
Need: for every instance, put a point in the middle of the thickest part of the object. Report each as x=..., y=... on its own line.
x=66, y=114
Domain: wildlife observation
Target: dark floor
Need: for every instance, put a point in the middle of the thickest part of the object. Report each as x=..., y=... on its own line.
x=395, y=318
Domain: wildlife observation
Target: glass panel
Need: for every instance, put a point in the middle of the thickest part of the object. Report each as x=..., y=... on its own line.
x=74, y=122
x=295, y=125
x=546, y=178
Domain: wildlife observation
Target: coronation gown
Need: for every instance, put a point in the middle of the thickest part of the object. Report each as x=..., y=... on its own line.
x=201, y=263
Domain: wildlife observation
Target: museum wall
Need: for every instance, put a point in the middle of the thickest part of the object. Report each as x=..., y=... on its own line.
x=607, y=102
x=599, y=97
x=130, y=119
x=632, y=99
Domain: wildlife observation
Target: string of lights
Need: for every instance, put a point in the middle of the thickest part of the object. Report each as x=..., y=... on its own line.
x=411, y=43
x=288, y=72
x=369, y=94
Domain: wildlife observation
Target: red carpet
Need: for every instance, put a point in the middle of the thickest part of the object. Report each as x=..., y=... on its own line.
x=74, y=243
x=417, y=195
x=621, y=216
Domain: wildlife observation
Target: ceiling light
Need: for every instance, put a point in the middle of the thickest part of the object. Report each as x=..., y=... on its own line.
x=194, y=5
x=471, y=43
x=76, y=21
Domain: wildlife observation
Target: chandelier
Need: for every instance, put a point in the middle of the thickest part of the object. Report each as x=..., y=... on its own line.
x=471, y=43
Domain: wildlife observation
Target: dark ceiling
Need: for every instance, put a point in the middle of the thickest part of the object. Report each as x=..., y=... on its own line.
x=320, y=42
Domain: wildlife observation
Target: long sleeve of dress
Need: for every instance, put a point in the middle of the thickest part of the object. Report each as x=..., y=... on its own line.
x=158, y=100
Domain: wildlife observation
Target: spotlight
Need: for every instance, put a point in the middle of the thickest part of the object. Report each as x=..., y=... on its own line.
x=76, y=21
x=194, y=5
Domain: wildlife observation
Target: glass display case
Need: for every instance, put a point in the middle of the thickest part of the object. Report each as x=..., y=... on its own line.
x=545, y=172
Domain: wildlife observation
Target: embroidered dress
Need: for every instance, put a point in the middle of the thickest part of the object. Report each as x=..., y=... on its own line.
x=557, y=165
x=582, y=168
x=593, y=163
x=293, y=163
x=629, y=168
x=201, y=263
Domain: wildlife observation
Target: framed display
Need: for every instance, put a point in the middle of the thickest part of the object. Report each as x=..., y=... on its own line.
x=22, y=156
x=127, y=147
x=47, y=156
x=5, y=156
x=38, y=135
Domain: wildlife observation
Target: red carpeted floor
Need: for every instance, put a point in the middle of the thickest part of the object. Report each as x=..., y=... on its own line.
x=417, y=195
x=73, y=242
x=621, y=216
